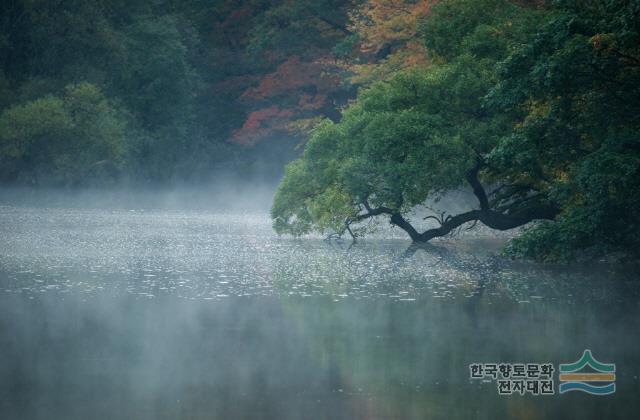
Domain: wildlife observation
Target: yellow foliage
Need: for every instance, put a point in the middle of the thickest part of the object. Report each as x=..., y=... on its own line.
x=378, y=22
x=387, y=38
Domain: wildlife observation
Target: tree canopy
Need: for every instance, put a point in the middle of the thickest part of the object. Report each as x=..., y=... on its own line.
x=531, y=107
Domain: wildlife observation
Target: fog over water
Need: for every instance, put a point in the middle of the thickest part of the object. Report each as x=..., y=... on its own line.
x=186, y=304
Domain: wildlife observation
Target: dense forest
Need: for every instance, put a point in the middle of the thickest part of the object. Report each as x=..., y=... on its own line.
x=382, y=105
x=99, y=92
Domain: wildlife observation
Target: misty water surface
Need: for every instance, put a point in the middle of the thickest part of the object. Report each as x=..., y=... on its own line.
x=134, y=312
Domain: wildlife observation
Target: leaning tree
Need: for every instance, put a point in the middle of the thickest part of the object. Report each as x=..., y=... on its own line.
x=533, y=109
x=405, y=142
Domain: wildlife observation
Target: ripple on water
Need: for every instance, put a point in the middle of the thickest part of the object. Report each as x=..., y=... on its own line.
x=200, y=255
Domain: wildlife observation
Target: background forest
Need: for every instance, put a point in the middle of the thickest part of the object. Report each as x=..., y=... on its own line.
x=150, y=92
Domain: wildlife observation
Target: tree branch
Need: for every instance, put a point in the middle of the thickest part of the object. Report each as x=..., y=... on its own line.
x=490, y=218
x=478, y=189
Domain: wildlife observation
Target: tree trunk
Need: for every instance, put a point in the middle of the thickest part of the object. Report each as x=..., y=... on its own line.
x=489, y=217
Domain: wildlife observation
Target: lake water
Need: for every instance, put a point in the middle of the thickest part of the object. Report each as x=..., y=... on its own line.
x=167, y=314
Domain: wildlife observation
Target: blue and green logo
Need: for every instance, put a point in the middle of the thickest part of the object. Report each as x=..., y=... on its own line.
x=600, y=380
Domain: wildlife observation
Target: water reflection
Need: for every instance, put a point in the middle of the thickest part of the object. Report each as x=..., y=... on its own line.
x=192, y=315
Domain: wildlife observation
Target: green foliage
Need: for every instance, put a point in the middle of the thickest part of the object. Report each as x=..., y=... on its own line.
x=577, y=83
x=156, y=79
x=404, y=141
x=136, y=54
x=483, y=28
x=293, y=26
x=75, y=139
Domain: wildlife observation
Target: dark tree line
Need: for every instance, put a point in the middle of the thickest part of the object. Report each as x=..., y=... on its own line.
x=110, y=91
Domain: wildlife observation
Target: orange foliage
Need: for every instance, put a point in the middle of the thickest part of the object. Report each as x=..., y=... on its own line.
x=305, y=90
x=291, y=76
x=261, y=123
x=304, y=86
